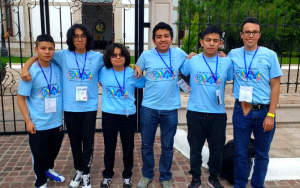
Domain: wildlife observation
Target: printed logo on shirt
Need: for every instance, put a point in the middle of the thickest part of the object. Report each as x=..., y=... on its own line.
x=54, y=92
x=206, y=79
x=74, y=75
x=162, y=74
x=115, y=92
x=253, y=75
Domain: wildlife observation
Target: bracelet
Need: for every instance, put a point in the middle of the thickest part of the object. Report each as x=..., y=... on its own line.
x=271, y=115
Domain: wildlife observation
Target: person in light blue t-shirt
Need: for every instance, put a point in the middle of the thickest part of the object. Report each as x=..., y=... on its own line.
x=118, y=110
x=80, y=68
x=206, y=114
x=44, y=114
x=160, y=103
x=256, y=90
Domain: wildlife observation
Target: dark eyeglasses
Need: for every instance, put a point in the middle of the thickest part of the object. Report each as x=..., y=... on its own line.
x=116, y=55
x=83, y=37
x=248, y=33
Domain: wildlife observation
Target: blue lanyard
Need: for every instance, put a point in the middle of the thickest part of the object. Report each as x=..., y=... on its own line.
x=247, y=72
x=49, y=85
x=170, y=68
x=214, y=76
x=80, y=74
x=122, y=89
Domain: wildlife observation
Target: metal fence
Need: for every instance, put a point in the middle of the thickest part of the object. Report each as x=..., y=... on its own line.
x=17, y=30
x=277, y=34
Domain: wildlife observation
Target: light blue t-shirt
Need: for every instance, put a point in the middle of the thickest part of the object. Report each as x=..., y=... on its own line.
x=113, y=100
x=265, y=66
x=71, y=78
x=37, y=91
x=161, y=89
x=203, y=95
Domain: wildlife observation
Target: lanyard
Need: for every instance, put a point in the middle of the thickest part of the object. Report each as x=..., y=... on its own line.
x=247, y=72
x=122, y=89
x=49, y=85
x=214, y=76
x=80, y=74
x=170, y=68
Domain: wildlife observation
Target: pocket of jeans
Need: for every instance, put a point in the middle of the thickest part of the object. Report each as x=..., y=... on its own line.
x=238, y=107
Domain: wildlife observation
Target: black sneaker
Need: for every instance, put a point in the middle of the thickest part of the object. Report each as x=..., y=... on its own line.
x=127, y=183
x=195, y=184
x=214, y=183
x=106, y=182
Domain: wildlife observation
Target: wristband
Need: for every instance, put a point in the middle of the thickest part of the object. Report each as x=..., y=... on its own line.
x=271, y=115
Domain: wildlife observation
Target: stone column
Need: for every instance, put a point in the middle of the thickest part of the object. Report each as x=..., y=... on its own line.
x=118, y=20
x=159, y=11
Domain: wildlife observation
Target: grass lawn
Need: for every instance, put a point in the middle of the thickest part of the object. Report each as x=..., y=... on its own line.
x=285, y=60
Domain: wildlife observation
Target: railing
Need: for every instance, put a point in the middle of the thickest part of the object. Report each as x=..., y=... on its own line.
x=280, y=33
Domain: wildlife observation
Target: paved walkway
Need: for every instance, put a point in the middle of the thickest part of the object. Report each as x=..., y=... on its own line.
x=16, y=166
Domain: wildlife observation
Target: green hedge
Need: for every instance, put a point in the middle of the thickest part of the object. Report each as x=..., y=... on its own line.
x=287, y=54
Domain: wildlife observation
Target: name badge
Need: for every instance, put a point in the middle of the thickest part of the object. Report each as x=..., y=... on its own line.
x=219, y=99
x=50, y=105
x=81, y=93
x=246, y=93
x=184, y=86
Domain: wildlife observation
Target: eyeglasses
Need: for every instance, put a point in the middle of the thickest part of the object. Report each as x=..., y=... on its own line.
x=116, y=55
x=83, y=37
x=248, y=33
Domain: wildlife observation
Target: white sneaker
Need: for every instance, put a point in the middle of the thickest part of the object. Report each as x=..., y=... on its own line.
x=52, y=175
x=43, y=186
x=76, y=180
x=86, y=181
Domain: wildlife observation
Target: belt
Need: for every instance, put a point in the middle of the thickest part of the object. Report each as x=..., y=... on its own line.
x=255, y=106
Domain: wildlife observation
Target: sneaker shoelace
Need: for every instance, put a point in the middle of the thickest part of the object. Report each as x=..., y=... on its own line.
x=127, y=181
x=85, y=180
x=78, y=175
x=106, y=180
x=167, y=183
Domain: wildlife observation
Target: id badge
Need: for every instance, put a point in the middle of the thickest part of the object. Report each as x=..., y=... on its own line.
x=127, y=113
x=246, y=93
x=50, y=105
x=184, y=86
x=81, y=93
x=219, y=99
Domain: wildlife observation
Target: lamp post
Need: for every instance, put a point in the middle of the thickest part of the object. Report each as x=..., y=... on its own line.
x=3, y=46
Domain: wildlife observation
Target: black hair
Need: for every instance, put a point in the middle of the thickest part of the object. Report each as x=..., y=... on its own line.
x=110, y=51
x=212, y=29
x=86, y=32
x=44, y=38
x=250, y=20
x=162, y=25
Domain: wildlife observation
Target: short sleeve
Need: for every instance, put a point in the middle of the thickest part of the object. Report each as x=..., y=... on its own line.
x=275, y=70
x=230, y=72
x=100, y=74
x=141, y=62
x=140, y=82
x=25, y=87
x=101, y=61
x=58, y=57
x=185, y=67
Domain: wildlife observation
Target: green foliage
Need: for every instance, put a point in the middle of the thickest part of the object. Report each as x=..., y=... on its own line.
x=2, y=64
x=190, y=41
x=273, y=33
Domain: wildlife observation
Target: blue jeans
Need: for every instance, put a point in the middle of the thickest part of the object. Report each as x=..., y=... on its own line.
x=168, y=120
x=242, y=129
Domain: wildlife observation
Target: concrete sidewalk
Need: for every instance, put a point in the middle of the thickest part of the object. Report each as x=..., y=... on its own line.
x=16, y=165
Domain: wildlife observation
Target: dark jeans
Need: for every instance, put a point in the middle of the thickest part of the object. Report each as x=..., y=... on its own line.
x=81, y=131
x=242, y=129
x=202, y=126
x=45, y=146
x=168, y=120
x=111, y=125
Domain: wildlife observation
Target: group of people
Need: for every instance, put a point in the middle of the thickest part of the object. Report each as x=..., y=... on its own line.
x=66, y=82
